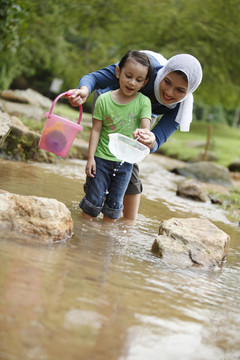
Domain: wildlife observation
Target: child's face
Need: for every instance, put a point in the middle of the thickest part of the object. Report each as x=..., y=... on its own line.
x=172, y=88
x=132, y=77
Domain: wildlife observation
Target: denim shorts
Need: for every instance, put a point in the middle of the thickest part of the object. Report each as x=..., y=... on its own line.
x=106, y=190
x=135, y=184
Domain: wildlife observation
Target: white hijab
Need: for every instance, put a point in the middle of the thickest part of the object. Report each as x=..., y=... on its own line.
x=193, y=70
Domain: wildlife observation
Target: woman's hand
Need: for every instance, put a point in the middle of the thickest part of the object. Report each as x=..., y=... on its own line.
x=77, y=97
x=90, y=169
x=145, y=136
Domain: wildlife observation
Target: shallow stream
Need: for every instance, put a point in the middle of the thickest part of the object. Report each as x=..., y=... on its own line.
x=103, y=295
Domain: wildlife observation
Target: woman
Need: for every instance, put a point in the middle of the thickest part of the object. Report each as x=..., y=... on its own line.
x=170, y=90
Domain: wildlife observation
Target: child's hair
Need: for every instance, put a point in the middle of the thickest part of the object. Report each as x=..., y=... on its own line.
x=140, y=57
x=181, y=73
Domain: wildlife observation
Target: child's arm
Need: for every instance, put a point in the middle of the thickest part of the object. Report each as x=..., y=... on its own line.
x=146, y=111
x=145, y=123
x=94, y=137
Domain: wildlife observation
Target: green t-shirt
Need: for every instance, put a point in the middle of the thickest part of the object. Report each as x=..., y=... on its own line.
x=123, y=119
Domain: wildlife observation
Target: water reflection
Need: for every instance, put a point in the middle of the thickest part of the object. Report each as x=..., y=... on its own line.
x=103, y=295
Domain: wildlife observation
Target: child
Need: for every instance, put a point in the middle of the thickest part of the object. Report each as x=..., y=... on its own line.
x=175, y=112
x=121, y=110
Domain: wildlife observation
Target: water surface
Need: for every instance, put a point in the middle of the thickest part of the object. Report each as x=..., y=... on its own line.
x=103, y=294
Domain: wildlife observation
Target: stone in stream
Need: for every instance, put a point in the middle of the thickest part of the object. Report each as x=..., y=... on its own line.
x=206, y=171
x=192, y=189
x=46, y=220
x=191, y=241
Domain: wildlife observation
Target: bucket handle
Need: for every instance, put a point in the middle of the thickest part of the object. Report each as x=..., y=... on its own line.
x=58, y=97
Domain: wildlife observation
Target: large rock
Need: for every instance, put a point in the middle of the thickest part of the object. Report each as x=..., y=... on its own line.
x=234, y=166
x=22, y=144
x=46, y=220
x=25, y=110
x=206, y=172
x=192, y=241
x=5, y=126
x=192, y=189
x=28, y=96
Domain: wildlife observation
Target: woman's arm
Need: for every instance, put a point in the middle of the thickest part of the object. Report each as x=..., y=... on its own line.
x=93, y=142
x=100, y=79
x=165, y=128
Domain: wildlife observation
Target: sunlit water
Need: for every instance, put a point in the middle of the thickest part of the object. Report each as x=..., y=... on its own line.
x=103, y=294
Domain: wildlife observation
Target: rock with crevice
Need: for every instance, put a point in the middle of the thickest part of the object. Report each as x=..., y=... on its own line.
x=191, y=242
x=46, y=220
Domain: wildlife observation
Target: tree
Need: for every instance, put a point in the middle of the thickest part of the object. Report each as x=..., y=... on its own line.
x=49, y=38
x=13, y=38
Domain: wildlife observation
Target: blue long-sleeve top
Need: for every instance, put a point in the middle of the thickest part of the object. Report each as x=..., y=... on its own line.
x=105, y=79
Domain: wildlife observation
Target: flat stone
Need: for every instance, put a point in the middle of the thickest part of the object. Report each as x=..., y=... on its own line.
x=191, y=241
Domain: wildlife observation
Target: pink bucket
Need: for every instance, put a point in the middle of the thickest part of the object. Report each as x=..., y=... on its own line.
x=59, y=133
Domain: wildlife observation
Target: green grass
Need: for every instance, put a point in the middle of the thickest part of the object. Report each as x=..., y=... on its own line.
x=230, y=202
x=224, y=143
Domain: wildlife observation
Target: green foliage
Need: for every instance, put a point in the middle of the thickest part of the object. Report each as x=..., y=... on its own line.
x=13, y=39
x=230, y=202
x=44, y=39
x=32, y=124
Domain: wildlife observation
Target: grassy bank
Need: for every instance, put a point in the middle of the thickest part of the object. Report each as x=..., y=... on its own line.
x=189, y=146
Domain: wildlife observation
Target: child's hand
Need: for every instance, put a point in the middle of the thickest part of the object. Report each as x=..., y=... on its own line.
x=90, y=169
x=145, y=137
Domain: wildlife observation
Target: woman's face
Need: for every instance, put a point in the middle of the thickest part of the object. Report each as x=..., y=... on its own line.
x=172, y=88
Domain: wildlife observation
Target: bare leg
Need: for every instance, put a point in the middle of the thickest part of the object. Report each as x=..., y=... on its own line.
x=131, y=204
x=86, y=216
x=108, y=219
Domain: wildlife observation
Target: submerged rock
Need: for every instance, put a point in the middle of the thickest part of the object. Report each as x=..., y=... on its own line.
x=192, y=241
x=46, y=220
